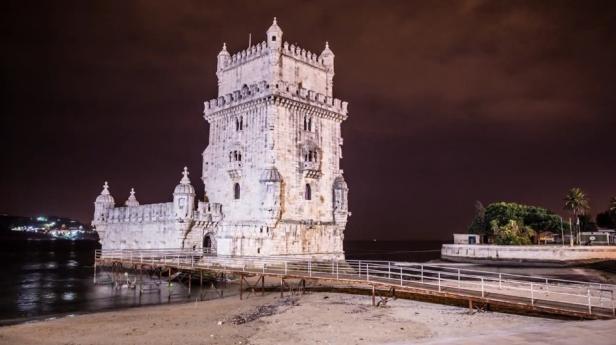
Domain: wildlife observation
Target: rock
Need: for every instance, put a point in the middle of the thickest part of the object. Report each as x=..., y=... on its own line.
x=220, y=323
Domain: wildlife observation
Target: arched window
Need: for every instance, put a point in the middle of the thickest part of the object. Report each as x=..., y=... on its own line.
x=310, y=124
x=236, y=191
x=308, y=192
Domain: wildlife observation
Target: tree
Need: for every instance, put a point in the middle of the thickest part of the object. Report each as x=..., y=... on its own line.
x=512, y=233
x=478, y=225
x=576, y=203
x=537, y=218
x=607, y=219
x=612, y=210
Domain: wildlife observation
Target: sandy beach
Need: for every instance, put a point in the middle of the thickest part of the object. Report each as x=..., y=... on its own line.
x=313, y=318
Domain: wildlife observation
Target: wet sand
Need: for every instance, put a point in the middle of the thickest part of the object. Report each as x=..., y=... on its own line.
x=314, y=318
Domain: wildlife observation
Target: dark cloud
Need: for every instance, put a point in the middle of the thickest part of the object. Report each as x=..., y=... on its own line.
x=451, y=101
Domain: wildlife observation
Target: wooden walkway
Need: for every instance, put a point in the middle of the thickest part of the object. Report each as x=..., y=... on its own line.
x=515, y=292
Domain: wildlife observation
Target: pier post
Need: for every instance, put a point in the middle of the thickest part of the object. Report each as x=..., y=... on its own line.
x=94, y=279
x=263, y=285
x=169, y=285
x=140, y=280
x=201, y=285
x=373, y=296
x=189, y=283
x=241, y=286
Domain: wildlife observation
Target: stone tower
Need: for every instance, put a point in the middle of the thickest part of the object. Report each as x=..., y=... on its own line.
x=273, y=183
x=273, y=159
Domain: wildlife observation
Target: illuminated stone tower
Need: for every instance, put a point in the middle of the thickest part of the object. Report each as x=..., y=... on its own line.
x=273, y=159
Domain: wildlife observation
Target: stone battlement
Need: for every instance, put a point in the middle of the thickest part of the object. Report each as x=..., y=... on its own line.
x=284, y=89
x=261, y=49
x=140, y=214
x=303, y=55
x=208, y=212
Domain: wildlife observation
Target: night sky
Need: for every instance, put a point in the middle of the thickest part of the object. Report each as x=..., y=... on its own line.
x=449, y=102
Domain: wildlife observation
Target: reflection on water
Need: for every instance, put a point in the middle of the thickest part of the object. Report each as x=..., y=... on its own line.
x=50, y=278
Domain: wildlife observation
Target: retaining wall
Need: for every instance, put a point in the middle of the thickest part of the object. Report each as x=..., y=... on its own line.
x=559, y=255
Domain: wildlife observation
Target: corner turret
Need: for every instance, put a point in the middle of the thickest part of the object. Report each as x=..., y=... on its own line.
x=184, y=198
x=274, y=36
x=223, y=57
x=327, y=59
x=132, y=200
x=104, y=202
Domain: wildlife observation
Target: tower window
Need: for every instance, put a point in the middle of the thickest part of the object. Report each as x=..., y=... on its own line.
x=308, y=192
x=236, y=191
x=273, y=38
x=308, y=123
x=235, y=156
x=310, y=156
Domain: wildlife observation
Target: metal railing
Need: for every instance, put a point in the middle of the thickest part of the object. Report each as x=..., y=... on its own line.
x=575, y=296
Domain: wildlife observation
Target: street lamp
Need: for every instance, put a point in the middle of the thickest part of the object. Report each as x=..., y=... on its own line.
x=562, y=232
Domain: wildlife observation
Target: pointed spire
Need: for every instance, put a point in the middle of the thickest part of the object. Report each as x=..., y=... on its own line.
x=105, y=190
x=274, y=29
x=327, y=51
x=132, y=200
x=185, y=179
x=224, y=51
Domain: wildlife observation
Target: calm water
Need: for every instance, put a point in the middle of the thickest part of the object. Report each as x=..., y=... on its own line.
x=48, y=279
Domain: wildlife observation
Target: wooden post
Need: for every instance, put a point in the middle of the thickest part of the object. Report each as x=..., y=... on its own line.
x=140, y=280
x=241, y=286
x=470, y=305
x=373, y=296
x=169, y=285
x=281, y=287
x=262, y=285
x=189, y=283
x=201, y=285
x=95, y=272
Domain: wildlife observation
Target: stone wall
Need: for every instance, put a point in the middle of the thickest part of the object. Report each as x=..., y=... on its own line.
x=527, y=254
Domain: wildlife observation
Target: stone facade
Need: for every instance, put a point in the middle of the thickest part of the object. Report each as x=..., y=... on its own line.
x=273, y=183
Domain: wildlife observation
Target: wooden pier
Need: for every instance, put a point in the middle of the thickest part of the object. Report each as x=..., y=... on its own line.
x=384, y=279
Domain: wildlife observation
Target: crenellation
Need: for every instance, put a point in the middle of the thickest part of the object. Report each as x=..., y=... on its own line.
x=282, y=89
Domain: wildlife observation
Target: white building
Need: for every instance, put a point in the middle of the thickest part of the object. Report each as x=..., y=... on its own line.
x=273, y=183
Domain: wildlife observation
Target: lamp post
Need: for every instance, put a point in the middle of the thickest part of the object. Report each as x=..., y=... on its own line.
x=562, y=232
x=570, y=234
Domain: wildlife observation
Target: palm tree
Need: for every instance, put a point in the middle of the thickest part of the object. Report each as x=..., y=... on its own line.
x=576, y=202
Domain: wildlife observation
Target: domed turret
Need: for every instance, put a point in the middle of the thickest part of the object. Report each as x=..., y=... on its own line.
x=271, y=182
x=104, y=202
x=184, y=197
x=340, y=183
x=341, y=207
x=274, y=35
x=327, y=56
x=223, y=57
x=105, y=197
x=132, y=200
